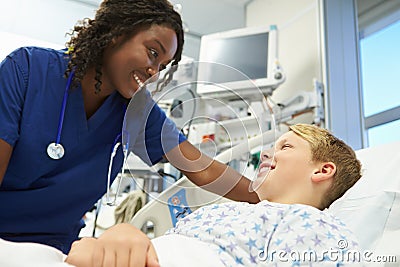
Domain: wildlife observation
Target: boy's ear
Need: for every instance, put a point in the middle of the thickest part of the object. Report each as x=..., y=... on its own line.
x=325, y=171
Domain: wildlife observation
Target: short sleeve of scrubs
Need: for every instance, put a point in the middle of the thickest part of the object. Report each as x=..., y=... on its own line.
x=13, y=83
x=150, y=133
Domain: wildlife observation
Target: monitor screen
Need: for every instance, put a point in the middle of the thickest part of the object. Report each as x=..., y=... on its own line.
x=245, y=60
x=247, y=54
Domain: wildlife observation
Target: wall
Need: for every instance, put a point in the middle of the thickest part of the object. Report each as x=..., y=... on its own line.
x=43, y=22
x=297, y=23
x=329, y=54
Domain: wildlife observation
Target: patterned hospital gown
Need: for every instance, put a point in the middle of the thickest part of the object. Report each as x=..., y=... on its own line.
x=271, y=234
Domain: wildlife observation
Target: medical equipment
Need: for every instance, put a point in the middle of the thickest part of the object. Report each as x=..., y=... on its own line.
x=108, y=200
x=252, y=51
x=115, y=146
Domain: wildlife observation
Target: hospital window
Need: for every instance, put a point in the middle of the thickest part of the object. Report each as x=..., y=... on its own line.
x=380, y=65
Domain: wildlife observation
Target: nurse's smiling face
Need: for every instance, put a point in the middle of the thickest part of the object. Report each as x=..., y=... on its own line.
x=128, y=63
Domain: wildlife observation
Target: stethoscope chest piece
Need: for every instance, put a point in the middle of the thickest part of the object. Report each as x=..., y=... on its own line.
x=55, y=151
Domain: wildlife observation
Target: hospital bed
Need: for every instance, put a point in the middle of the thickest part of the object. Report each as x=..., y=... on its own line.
x=371, y=209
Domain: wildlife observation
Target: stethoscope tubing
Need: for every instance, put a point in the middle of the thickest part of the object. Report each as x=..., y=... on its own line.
x=64, y=107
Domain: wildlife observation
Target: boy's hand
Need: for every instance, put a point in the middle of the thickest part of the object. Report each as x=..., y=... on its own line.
x=120, y=246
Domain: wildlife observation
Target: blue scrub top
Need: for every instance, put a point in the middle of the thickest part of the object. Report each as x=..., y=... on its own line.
x=43, y=200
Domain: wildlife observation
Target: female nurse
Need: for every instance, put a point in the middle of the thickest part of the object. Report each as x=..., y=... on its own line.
x=61, y=112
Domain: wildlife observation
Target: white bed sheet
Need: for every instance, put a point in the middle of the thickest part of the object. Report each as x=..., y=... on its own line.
x=178, y=250
x=13, y=254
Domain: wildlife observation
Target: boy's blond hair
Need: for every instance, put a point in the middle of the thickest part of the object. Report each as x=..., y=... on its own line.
x=326, y=147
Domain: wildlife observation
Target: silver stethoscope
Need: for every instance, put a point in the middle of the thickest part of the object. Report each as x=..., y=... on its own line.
x=56, y=150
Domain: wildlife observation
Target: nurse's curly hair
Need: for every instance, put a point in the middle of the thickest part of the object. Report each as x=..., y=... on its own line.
x=114, y=18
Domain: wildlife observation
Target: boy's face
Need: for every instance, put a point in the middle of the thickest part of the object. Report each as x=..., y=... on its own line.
x=286, y=171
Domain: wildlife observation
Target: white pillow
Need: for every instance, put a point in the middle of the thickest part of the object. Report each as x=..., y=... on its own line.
x=367, y=207
x=380, y=168
x=365, y=216
x=389, y=243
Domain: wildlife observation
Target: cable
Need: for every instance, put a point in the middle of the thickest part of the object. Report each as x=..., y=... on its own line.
x=162, y=173
x=193, y=113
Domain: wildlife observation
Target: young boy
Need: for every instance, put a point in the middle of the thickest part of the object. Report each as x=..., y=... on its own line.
x=308, y=169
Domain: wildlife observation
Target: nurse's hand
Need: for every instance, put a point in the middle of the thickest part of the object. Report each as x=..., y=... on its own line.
x=120, y=246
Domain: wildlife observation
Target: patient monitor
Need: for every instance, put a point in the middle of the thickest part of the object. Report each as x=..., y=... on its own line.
x=253, y=51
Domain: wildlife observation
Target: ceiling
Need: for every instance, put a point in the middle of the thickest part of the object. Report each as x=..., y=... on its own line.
x=208, y=16
x=233, y=13
x=202, y=17
x=365, y=6
x=373, y=12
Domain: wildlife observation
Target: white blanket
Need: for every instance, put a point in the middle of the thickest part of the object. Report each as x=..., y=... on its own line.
x=263, y=234
x=178, y=250
x=14, y=254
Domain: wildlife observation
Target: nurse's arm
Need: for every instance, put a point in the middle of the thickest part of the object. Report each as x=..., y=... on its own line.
x=5, y=155
x=210, y=174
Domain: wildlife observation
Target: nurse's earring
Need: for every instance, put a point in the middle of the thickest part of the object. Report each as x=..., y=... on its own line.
x=70, y=50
